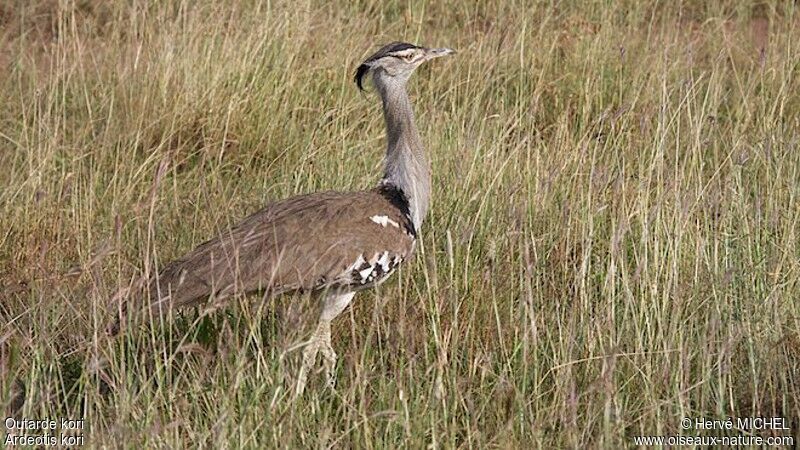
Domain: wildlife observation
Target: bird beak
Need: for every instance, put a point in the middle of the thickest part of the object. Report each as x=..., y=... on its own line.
x=437, y=52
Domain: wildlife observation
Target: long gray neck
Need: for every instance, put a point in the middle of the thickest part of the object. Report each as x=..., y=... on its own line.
x=407, y=167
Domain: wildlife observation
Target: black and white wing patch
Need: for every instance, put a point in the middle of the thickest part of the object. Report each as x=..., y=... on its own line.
x=370, y=272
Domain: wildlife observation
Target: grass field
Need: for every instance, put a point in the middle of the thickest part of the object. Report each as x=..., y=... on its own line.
x=614, y=242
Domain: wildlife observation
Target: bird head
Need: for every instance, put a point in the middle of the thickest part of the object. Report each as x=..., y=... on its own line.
x=395, y=62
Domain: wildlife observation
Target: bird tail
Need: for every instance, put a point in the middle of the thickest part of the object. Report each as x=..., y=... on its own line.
x=125, y=300
x=156, y=296
x=140, y=300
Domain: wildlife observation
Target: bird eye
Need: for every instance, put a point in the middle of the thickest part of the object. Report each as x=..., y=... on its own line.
x=408, y=57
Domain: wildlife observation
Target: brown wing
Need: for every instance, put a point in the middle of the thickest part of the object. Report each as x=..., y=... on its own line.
x=310, y=242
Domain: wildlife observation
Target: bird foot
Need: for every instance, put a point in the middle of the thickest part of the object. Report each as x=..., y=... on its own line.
x=320, y=343
x=309, y=358
x=329, y=364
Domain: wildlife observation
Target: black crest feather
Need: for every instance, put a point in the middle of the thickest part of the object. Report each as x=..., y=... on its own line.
x=383, y=51
x=362, y=69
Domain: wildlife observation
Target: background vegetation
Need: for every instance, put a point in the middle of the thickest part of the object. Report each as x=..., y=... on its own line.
x=613, y=243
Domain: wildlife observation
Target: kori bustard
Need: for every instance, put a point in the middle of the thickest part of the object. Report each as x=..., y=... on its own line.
x=329, y=243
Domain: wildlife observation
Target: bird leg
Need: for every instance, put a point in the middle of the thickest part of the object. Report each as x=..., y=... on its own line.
x=328, y=358
x=321, y=341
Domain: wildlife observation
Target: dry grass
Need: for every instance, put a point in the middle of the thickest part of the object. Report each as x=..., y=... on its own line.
x=613, y=244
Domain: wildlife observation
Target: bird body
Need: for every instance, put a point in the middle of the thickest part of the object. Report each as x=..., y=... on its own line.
x=333, y=244
x=337, y=241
